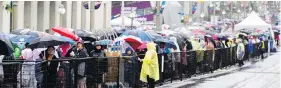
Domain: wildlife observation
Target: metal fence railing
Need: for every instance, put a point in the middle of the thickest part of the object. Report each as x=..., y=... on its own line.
x=114, y=72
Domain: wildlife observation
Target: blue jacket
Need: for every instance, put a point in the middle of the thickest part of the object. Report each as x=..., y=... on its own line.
x=251, y=47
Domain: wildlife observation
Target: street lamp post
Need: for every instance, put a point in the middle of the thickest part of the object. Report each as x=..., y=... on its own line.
x=223, y=13
x=132, y=16
x=238, y=11
x=202, y=17
x=61, y=11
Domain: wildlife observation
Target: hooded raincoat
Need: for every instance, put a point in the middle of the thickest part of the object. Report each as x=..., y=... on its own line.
x=150, y=65
x=131, y=66
x=240, y=50
x=28, y=70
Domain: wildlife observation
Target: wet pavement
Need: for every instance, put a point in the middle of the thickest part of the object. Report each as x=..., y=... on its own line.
x=261, y=74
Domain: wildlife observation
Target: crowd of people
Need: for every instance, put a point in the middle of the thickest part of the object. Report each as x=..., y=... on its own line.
x=144, y=65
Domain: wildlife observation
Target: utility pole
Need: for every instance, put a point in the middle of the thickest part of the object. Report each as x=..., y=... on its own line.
x=11, y=17
x=122, y=13
x=158, y=23
x=231, y=9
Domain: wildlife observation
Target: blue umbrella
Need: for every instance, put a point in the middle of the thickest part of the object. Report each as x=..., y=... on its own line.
x=22, y=38
x=138, y=33
x=154, y=35
x=105, y=42
x=168, y=43
x=67, y=39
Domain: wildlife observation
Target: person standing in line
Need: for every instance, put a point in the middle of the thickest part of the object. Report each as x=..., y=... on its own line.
x=80, y=52
x=49, y=68
x=131, y=67
x=261, y=47
x=163, y=55
x=28, y=69
x=277, y=38
x=150, y=66
x=96, y=67
x=240, y=52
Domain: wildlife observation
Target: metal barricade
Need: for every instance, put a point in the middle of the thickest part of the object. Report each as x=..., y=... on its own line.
x=116, y=72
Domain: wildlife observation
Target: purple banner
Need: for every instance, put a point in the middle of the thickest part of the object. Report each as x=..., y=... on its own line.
x=139, y=5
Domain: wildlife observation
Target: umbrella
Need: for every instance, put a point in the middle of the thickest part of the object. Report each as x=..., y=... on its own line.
x=105, y=42
x=67, y=40
x=45, y=41
x=65, y=32
x=7, y=47
x=143, y=45
x=19, y=31
x=154, y=35
x=168, y=32
x=85, y=34
x=27, y=32
x=141, y=34
x=168, y=43
x=133, y=41
x=22, y=38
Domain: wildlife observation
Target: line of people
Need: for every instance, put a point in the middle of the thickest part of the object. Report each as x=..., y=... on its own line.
x=50, y=74
x=136, y=68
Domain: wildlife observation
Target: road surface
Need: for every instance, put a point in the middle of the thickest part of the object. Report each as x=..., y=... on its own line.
x=262, y=74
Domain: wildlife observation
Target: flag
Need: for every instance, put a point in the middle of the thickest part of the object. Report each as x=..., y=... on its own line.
x=163, y=4
x=97, y=4
x=210, y=9
x=194, y=7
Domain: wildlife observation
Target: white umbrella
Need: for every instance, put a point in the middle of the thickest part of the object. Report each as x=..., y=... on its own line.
x=127, y=22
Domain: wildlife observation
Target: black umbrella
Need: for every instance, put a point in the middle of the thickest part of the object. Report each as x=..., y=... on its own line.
x=168, y=43
x=85, y=34
x=46, y=41
x=6, y=45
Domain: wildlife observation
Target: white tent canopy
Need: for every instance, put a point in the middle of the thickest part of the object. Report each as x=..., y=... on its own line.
x=252, y=21
x=127, y=22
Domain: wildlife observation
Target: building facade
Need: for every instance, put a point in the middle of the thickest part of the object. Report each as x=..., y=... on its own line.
x=43, y=15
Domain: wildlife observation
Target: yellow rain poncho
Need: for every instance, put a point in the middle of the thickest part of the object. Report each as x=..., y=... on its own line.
x=150, y=65
x=199, y=49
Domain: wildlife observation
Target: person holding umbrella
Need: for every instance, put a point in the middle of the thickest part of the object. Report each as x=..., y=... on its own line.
x=80, y=52
x=163, y=53
x=49, y=68
x=96, y=76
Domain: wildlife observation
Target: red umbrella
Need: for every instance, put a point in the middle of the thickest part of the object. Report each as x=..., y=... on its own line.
x=133, y=41
x=65, y=32
x=143, y=45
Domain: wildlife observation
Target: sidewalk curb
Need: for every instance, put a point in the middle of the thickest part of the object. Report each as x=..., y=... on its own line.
x=190, y=81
